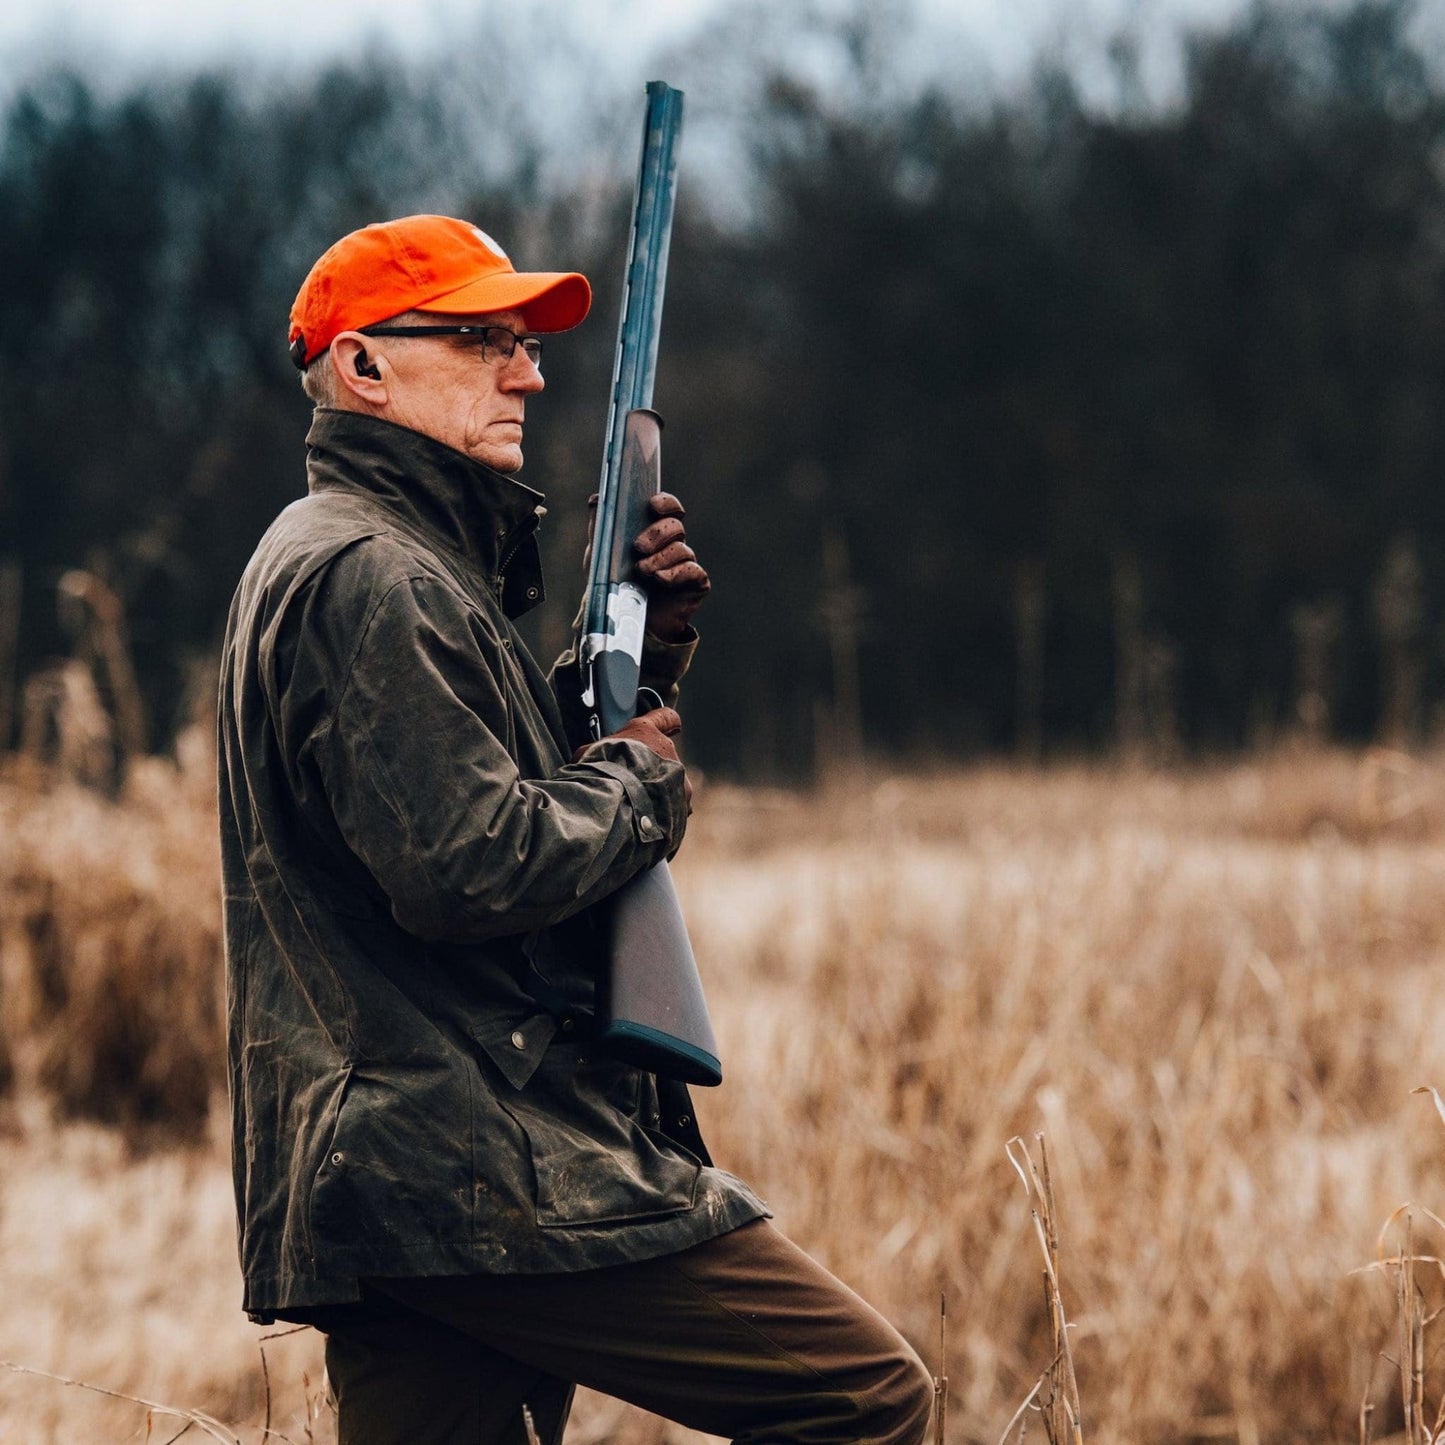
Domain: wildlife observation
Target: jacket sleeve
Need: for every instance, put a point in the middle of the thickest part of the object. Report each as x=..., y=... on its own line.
x=415, y=763
x=664, y=664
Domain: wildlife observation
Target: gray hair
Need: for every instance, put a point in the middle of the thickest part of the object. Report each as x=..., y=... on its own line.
x=318, y=381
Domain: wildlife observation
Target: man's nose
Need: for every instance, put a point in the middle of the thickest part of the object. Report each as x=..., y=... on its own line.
x=522, y=374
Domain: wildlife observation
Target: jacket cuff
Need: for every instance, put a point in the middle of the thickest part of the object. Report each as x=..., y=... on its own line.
x=656, y=803
x=664, y=664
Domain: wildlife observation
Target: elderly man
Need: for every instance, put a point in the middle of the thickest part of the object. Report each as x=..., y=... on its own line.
x=433, y=1163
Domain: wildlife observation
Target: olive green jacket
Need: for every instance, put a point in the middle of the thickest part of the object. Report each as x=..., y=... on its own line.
x=409, y=857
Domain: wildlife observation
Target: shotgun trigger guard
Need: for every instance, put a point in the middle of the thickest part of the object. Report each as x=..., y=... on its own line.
x=651, y=692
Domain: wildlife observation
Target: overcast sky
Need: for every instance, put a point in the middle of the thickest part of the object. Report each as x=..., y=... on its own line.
x=979, y=48
x=1001, y=36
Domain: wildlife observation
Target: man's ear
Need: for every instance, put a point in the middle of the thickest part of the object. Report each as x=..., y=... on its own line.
x=359, y=373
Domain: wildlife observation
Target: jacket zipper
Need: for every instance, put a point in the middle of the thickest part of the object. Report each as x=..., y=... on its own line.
x=520, y=533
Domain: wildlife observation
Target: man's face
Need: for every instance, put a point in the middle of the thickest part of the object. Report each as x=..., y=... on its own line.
x=441, y=386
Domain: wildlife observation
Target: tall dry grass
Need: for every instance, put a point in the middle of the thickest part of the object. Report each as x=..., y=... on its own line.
x=110, y=943
x=1213, y=992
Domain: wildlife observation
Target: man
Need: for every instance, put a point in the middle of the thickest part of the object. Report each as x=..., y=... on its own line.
x=432, y=1162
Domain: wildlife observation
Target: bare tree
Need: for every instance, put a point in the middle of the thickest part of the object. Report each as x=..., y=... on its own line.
x=1399, y=605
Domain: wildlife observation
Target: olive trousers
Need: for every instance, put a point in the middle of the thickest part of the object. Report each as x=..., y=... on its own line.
x=743, y=1336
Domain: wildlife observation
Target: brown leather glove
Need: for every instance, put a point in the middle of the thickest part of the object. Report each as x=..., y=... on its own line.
x=675, y=580
x=655, y=730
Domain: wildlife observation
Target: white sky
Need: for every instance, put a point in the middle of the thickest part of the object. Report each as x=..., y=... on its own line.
x=1006, y=34
x=209, y=30
x=979, y=47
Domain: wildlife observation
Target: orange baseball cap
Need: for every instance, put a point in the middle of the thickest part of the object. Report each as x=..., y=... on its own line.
x=424, y=263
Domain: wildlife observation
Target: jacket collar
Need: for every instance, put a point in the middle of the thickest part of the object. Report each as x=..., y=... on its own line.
x=487, y=518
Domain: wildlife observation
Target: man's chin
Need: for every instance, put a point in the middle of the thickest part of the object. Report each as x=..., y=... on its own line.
x=507, y=459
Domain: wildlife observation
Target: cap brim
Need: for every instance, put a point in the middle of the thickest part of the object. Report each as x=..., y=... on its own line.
x=548, y=300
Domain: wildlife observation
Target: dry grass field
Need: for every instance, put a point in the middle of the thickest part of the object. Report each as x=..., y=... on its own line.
x=1213, y=991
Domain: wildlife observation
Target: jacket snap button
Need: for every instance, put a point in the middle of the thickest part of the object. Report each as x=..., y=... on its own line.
x=567, y=1026
x=684, y=1121
x=533, y=594
x=336, y=1158
x=519, y=1039
x=645, y=826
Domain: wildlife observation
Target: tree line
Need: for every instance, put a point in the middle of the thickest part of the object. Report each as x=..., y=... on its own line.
x=1027, y=424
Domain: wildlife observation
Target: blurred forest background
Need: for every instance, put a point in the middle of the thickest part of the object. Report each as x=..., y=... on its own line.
x=1066, y=419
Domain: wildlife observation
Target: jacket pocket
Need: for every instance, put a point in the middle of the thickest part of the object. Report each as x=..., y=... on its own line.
x=592, y=1161
x=396, y=1173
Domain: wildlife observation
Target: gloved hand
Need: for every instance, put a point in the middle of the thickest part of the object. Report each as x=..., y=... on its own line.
x=667, y=567
x=676, y=582
x=655, y=730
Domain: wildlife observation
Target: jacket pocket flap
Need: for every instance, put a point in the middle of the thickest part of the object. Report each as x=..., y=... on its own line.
x=516, y=1046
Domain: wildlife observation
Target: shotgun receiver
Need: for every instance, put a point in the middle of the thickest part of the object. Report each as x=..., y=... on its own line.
x=651, y=1010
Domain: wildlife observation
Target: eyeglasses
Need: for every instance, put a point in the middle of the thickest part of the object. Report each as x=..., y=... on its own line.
x=499, y=344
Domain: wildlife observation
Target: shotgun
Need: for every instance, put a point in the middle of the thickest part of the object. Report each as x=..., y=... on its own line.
x=651, y=1009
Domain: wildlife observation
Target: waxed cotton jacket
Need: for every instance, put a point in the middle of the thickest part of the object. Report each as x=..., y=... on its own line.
x=409, y=861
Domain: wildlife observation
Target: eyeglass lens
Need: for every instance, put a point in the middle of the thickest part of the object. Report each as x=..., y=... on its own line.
x=498, y=345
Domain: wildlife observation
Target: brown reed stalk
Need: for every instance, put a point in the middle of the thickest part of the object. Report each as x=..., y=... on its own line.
x=213, y=1427
x=940, y=1380
x=1412, y=1375
x=1415, y=1319
x=266, y=1384
x=1414, y=1322
x=1058, y=1387
x=191, y=1419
